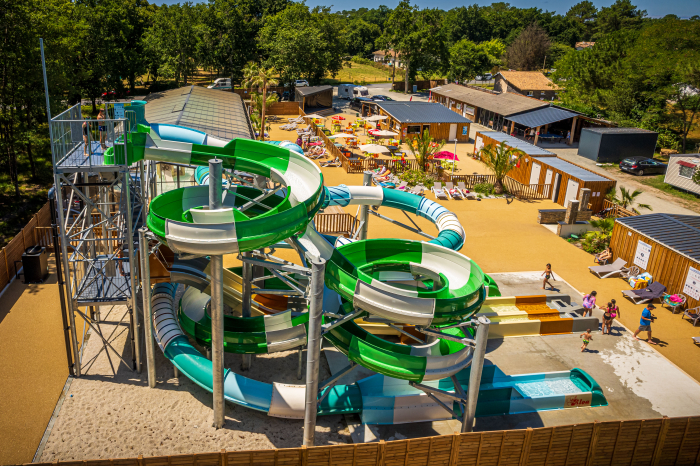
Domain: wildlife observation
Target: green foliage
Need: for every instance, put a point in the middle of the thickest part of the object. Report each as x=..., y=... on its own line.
x=484, y=188
x=415, y=177
x=528, y=50
x=659, y=183
x=467, y=61
x=422, y=147
x=501, y=160
x=594, y=242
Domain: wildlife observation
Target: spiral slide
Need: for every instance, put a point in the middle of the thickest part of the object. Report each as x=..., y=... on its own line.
x=397, y=280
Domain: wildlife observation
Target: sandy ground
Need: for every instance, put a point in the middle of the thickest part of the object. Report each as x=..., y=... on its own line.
x=110, y=414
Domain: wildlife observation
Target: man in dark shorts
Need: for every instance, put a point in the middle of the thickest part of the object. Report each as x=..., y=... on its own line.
x=645, y=323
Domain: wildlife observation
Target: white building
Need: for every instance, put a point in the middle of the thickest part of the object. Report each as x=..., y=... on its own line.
x=387, y=58
x=680, y=171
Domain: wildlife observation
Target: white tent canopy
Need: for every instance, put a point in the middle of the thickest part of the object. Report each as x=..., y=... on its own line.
x=341, y=135
x=376, y=118
x=383, y=132
x=315, y=116
x=374, y=149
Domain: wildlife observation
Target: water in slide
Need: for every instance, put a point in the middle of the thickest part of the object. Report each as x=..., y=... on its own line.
x=398, y=280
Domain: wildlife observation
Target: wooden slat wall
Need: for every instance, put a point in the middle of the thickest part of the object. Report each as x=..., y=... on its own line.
x=438, y=131
x=665, y=265
x=284, y=108
x=656, y=442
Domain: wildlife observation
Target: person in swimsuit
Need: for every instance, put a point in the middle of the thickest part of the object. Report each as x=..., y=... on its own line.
x=85, y=139
x=547, y=275
x=607, y=318
x=103, y=130
x=614, y=309
x=589, y=303
x=587, y=337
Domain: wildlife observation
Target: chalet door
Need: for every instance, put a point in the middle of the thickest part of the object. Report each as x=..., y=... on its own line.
x=535, y=173
x=548, y=180
x=453, y=132
x=555, y=187
x=571, y=192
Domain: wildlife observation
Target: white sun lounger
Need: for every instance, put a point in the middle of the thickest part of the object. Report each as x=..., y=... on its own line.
x=610, y=270
x=439, y=191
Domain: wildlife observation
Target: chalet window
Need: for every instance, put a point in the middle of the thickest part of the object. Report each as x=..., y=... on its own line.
x=529, y=93
x=542, y=92
x=459, y=106
x=686, y=171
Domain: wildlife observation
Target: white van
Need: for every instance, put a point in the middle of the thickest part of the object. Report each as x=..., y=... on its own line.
x=360, y=91
x=221, y=83
x=345, y=91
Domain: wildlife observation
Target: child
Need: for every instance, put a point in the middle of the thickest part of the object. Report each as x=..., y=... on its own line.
x=587, y=337
x=548, y=273
x=614, y=309
x=607, y=318
x=589, y=303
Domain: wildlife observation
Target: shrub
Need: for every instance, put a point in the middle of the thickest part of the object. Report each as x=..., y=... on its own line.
x=484, y=188
x=414, y=177
x=594, y=242
x=361, y=61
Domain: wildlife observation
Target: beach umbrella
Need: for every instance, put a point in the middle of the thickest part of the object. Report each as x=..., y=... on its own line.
x=383, y=132
x=315, y=116
x=376, y=118
x=445, y=155
x=374, y=149
x=338, y=117
x=341, y=135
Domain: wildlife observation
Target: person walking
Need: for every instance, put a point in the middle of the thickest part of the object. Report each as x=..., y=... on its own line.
x=645, y=323
x=547, y=274
x=587, y=337
x=607, y=319
x=589, y=303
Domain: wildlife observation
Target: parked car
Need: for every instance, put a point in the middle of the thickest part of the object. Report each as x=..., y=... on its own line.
x=357, y=102
x=221, y=84
x=642, y=166
x=488, y=77
x=381, y=98
x=301, y=83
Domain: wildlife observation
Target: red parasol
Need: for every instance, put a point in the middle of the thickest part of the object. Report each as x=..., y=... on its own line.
x=445, y=155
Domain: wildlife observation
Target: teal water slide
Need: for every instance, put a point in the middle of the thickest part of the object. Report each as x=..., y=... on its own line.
x=399, y=280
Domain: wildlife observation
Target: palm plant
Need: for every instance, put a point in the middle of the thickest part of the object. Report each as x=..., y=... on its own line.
x=256, y=101
x=628, y=200
x=605, y=225
x=422, y=147
x=255, y=75
x=501, y=160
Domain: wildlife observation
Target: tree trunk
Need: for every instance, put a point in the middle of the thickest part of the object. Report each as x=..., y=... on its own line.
x=406, y=67
x=262, y=111
x=94, y=105
x=498, y=186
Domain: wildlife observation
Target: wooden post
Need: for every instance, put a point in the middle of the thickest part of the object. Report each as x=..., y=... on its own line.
x=660, y=441
x=549, y=447
x=304, y=455
x=636, y=442
x=500, y=451
x=525, y=453
x=573, y=130
x=512, y=127
x=382, y=448
x=571, y=212
x=481, y=444
x=584, y=198
x=537, y=134
x=408, y=452
x=592, y=445
x=454, y=451
x=685, y=434
x=224, y=459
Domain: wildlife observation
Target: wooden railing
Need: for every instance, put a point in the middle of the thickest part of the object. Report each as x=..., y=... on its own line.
x=32, y=234
x=335, y=223
x=611, y=210
x=648, y=442
x=517, y=189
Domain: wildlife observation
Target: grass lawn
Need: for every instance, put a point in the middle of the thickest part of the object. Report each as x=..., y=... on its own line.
x=363, y=74
x=658, y=183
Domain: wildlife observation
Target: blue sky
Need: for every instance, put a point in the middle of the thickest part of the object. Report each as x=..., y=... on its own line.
x=655, y=8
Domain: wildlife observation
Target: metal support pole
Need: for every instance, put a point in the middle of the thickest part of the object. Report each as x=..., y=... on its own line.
x=300, y=361
x=217, y=305
x=147, y=310
x=246, y=359
x=364, y=209
x=482, y=337
x=59, y=275
x=129, y=242
x=313, y=351
x=144, y=194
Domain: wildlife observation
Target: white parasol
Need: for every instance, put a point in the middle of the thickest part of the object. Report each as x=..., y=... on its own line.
x=315, y=116
x=376, y=118
x=374, y=149
x=341, y=135
x=383, y=132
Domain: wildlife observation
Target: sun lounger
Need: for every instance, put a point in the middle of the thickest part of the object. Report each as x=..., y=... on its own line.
x=289, y=127
x=692, y=314
x=304, y=130
x=403, y=186
x=465, y=192
x=299, y=119
x=696, y=340
x=454, y=192
x=417, y=190
x=439, y=191
x=605, y=271
x=317, y=156
x=653, y=291
x=331, y=163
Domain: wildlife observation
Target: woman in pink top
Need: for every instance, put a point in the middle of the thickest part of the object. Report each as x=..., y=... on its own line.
x=589, y=303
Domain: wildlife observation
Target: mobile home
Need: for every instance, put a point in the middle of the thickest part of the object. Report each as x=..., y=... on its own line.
x=681, y=168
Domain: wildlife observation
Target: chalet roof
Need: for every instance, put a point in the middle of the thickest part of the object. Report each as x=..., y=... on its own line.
x=504, y=104
x=529, y=80
x=680, y=233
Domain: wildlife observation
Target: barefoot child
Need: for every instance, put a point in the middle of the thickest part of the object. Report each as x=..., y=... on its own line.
x=587, y=337
x=547, y=274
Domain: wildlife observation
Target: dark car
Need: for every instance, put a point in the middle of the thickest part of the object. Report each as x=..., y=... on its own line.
x=381, y=97
x=642, y=166
x=357, y=102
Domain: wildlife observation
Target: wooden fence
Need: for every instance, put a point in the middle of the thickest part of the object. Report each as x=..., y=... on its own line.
x=611, y=210
x=36, y=231
x=653, y=442
x=519, y=190
x=335, y=223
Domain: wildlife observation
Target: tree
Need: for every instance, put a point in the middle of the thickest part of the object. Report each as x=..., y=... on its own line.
x=467, y=60
x=494, y=50
x=501, y=160
x=466, y=23
x=260, y=77
x=628, y=200
x=605, y=225
x=422, y=147
x=361, y=36
x=620, y=15
x=585, y=14
x=529, y=49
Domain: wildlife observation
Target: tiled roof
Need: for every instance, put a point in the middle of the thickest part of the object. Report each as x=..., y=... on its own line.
x=504, y=104
x=421, y=112
x=529, y=80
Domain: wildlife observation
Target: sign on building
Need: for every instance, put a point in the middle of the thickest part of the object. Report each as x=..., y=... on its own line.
x=641, y=257
x=692, y=283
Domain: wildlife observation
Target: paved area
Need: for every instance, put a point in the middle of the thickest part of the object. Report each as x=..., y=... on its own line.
x=627, y=369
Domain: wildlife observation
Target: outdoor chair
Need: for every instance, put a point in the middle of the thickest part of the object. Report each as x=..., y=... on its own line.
x=320, y=155
x=331, y=163
x=454, y=192
x=289, y=127
x=417, y=190
x=696, y=340
x=299, y=119
x=439, y=191
x=653, y=291
x=630, y=272
x=465, y=192
x=672, y=305
x=692, y=314
x=403, y=186
x=605, y=271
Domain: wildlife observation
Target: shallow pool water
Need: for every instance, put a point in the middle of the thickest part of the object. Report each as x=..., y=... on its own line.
x=547, y=387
